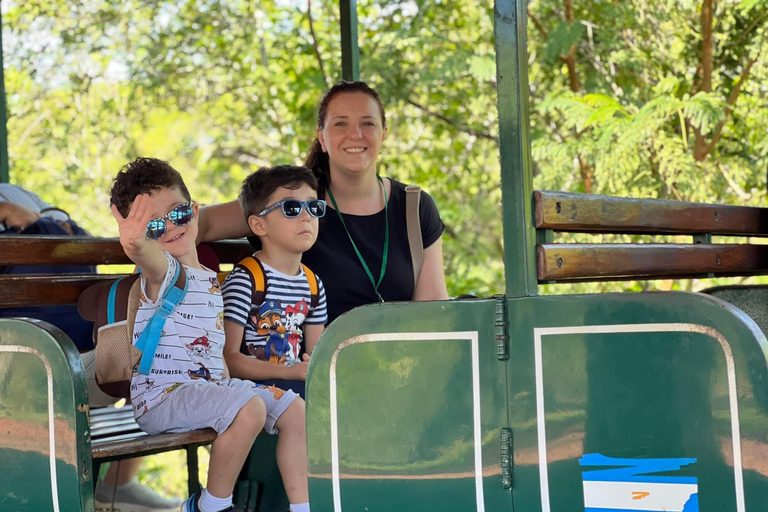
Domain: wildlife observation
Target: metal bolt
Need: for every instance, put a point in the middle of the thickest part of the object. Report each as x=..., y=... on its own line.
x=559, y=262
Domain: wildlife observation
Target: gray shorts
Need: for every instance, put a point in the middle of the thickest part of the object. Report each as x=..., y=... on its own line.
x=202, y=404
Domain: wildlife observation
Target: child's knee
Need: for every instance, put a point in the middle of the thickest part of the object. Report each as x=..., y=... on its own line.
x=252, y=415
x=293, y=417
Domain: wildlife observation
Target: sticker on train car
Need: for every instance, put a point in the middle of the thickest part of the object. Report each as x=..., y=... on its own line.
x=629, y=485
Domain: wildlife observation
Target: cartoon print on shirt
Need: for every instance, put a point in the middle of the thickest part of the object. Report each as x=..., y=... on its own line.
x=270, y=323
x=201, y=347
x=201, y=373
x=215, y=286
x=220, y=321
x=167, y=391
x=149, y=383
x=294, y=319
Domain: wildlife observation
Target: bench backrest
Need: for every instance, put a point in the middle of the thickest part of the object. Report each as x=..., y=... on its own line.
x=49, y=289
x=582, y=213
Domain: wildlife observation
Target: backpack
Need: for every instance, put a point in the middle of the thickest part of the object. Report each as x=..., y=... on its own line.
x=64, y=316
x=112, y=307
x=259, y=284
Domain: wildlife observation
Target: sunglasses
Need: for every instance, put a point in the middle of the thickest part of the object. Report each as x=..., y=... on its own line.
x=292, y=208
x=180, y=216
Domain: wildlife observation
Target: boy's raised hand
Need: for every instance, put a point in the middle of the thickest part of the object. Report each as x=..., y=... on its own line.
x=133, y=227
x=147, y=254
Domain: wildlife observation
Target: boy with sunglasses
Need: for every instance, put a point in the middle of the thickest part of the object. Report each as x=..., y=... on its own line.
x=188, y=386
x=265, y=333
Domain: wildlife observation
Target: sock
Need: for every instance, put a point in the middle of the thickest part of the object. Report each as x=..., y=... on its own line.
x=210, y=503
x=299, y=507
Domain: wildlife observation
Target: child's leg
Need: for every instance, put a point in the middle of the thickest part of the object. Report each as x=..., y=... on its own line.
x=292, y=451
x=230, y=449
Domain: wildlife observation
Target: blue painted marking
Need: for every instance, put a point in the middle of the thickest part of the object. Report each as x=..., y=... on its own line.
x=633, y=469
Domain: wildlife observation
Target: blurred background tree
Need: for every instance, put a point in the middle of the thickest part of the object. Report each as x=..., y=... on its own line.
x=642, y=98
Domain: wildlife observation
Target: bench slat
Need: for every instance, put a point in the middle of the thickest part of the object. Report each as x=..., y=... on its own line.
x=67, y=250
x=558, y=262
x=45, y=290
x=561, y=211
x=148, y=445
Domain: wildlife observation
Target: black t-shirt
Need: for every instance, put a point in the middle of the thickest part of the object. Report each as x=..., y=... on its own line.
x=334, y=260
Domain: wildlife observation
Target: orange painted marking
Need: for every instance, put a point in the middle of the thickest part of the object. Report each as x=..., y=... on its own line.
x=638, y=495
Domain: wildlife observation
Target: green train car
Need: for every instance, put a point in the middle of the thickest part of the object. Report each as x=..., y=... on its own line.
x=522, y=402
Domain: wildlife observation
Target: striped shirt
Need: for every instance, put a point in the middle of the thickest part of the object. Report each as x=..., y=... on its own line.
x=273, y=329
x=192, y=340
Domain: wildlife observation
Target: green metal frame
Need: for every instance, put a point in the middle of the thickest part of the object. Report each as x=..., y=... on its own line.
x=350, y=54
x=515, y=148
x=4, y=173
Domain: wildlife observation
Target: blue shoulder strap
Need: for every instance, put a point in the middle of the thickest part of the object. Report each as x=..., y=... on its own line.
x=150, y=336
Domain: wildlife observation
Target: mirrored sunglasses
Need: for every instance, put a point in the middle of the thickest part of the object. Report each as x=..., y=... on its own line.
x=180, y=216
x=292, y=208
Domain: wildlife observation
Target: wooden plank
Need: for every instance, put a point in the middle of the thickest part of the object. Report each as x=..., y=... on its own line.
x=603, y=214
x=45, y=290
x=557, y=262
x=66, y=250
x=147, y=445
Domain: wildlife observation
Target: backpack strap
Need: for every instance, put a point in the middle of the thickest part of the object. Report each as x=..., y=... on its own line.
x=255, y=270
x=313, y=291
x=413, y=226
x=150, y=336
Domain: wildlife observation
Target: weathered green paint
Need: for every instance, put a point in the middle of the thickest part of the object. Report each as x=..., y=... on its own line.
x=4, y=174
x=350, y=53
x=514, y=147
x=404, y=408
x=32, y=354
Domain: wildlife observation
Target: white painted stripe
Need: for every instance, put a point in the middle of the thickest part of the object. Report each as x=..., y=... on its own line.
x=51, y=424
x=538, y=333
x=472, y=337
x=637, y=496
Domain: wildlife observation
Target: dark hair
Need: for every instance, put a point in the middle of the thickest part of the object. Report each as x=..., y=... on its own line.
x=261, y=184
x=142, y=176
x=317, y=159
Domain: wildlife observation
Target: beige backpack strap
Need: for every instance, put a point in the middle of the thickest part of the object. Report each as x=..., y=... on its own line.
x=413, y=225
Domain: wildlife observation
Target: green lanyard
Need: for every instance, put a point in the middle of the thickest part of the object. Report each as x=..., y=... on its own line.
x=354, y=246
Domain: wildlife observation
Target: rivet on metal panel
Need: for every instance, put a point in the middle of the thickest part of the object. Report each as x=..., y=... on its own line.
x=502, y=335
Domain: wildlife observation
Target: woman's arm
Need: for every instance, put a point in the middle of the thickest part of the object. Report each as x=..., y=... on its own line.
x=431, y=283
x=221, y=221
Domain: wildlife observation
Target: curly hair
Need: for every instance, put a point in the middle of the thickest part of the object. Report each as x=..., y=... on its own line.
x=261, y=184
x=143, y=176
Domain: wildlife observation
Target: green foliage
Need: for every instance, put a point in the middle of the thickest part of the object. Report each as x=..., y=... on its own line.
x=221, y=87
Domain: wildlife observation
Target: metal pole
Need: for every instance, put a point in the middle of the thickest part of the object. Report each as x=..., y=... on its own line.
x=515, y=148
x=4, y=175
x=350, y=55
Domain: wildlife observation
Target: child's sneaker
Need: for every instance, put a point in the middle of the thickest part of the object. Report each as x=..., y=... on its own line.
x=192, y=505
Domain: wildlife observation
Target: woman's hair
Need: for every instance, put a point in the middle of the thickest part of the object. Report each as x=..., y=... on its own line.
x=317, y=159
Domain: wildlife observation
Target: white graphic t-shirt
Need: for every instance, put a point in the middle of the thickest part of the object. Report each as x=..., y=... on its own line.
x=274, y=330
x=192, y=340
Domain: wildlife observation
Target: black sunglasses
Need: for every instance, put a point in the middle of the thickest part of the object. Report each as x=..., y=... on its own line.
x=180, y=216
x=292, y=208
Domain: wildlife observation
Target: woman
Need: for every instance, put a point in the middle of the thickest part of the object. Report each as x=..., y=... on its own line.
x=365, y=225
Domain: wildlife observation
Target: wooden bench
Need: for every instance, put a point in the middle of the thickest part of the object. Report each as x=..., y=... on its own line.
x=114, y=434
x=581, y=213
